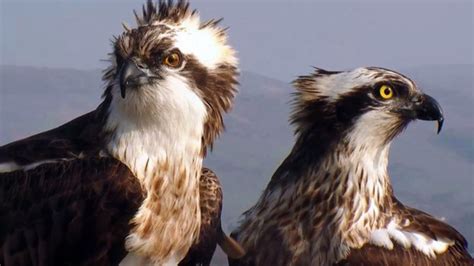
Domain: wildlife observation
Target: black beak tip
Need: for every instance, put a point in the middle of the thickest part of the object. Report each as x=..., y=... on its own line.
x=429, y=109
x=440, y=124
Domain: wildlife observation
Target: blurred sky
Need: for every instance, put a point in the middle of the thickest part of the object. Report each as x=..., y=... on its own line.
x=280, y=39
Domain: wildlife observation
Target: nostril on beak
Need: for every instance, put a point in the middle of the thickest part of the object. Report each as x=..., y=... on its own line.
x=129, y=75
x=140, y=66
x=417, y=99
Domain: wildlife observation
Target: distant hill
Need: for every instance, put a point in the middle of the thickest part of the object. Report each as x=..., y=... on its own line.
x=430, y=172
x=36, y=99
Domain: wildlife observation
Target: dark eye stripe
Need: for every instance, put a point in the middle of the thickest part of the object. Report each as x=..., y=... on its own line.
x=158, y=57
x=400, y=89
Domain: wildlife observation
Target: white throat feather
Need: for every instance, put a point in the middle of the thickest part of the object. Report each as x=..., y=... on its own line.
x=163, y=149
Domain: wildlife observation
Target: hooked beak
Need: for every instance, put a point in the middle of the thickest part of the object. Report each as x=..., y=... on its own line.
x=130, y=75
x=427, y=108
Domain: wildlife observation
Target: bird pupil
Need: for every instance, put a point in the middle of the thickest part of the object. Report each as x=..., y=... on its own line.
x=173, y=59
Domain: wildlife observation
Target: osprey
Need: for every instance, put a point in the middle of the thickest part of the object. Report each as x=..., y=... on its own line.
x=331, y=201
x=211, y=233
x=124, y=177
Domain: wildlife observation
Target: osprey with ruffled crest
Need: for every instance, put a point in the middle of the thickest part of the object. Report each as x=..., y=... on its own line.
x=124, y=177
x=331, y=201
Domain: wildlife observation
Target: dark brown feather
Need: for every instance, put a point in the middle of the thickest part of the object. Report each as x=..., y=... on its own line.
x=371, y=255
x=427, y=224
x=68, y=213
x=166, y=10
x=270, y=242
x=82, y=135
x=423, y=223
x=73, y=211
x=211, y=232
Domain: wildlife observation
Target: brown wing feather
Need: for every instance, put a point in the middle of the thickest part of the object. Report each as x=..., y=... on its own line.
x=67, y=213
x=427, y=224
x=211, y=233
x=210, y=194
x=263, y=252
x=372, y=255
x=82, y=135
x=420, y=222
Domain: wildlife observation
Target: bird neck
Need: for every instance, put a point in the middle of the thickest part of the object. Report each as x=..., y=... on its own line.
x=165, y=153
x=350, y=194
x=343, y=191
x=360, y=180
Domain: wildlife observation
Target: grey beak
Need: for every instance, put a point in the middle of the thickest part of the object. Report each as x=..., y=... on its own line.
x=129, y=76
x=429, y=109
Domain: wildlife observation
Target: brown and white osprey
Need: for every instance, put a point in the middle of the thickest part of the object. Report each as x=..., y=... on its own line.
x=331, y=201
x=211, y=233
x=124, y=177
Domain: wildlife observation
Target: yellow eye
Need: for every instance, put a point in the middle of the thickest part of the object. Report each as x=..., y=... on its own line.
x=386, y=92
x=172, y=60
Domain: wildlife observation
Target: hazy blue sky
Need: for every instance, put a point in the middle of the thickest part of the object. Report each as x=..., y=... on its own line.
x=277, y=38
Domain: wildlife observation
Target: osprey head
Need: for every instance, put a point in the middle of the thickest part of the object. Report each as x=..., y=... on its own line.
x=367, y=104
x=171, y=58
